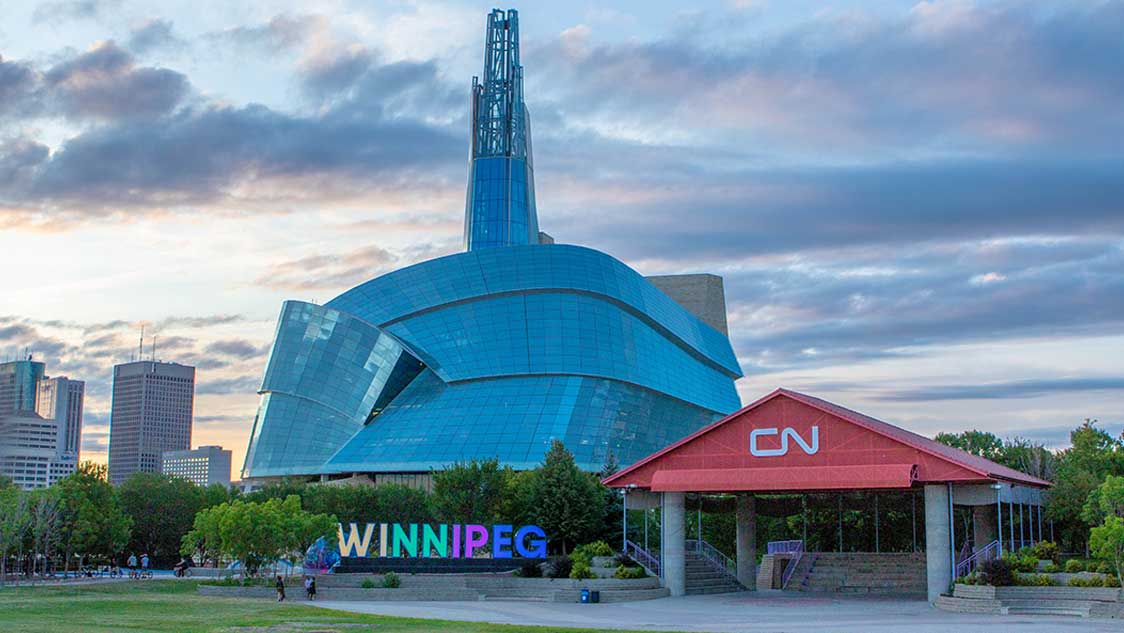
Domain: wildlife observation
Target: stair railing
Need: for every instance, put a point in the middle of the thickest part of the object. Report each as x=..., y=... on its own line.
x=712, y=555
x=643, y=557
x=795, y=554
x=988, y=552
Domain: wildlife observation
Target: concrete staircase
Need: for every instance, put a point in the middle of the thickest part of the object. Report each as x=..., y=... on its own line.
x=703, y=577
x=861, y=573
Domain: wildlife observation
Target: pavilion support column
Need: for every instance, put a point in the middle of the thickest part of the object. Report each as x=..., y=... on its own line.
x=984, y=529
x=938, y=545
x=747, y=540
x=673, y=545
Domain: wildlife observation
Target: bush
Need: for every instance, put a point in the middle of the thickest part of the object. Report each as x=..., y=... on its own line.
x=560, y=567
x=1078, y=581
x=1103, y=568
x=1110, y=581
x=530, y=569
x=625, y=560
x=997, y=573
x=390, y=580
x=1073, y=566
x=580, y=570
x=1024, y=562
x=367, y=584
x=1051, y=568
x=1033, y=580
x=630, y=573
x=588, y=551
x=1046, y=550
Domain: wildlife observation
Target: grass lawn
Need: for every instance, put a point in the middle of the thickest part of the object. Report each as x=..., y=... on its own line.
x=166, y=605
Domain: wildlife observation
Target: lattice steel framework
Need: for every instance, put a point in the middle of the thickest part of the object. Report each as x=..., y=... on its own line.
x=498, y=114
x=500, y=207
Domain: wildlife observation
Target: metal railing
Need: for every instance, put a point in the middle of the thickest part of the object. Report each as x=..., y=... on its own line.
x=965, y=551
x=712, y=555
x=797, y=552
x=643, y=557
x=988, y=552
x=784, y=547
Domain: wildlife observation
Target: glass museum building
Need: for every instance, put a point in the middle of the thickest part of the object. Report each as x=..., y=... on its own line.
x=495, y=351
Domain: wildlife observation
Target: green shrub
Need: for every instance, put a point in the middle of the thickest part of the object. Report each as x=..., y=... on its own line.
x=1103, y=568
x=973, y=578
x=390, y=580
x=626, y=560
x=1046, y=550
x=1051, y=568
x=997, y=573
x=1033, y=580
x=589, y=550
x=530, y=569
x=560, y=567
x=580, y=570
x=1092, y=581
x=1024, y=562
x=367, y=583
x=1110, y=581
x=630, y=573
x=1073, y=566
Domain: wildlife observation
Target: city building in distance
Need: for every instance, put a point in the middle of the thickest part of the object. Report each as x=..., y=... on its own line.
x=61, y=399
x=498, y=350
x=40, y=424
x=151, y=413
x=18, y=384
x=202, y=466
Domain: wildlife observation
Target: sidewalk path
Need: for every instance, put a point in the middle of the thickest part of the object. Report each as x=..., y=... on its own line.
x=731, y=613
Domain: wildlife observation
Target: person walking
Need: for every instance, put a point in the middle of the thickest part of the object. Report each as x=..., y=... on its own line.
x=144, y=564
x=132, y=565
x=310, y=587
x=280, y=584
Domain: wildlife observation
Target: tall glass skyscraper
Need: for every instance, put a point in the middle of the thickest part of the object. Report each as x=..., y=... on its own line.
x=493, y=352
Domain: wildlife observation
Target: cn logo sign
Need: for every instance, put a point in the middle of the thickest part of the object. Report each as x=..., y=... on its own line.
x=809, y=448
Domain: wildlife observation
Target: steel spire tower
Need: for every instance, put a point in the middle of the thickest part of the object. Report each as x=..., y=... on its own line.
x=500, y=207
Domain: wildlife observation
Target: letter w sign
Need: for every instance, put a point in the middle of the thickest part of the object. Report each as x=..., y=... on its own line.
x=809, y=448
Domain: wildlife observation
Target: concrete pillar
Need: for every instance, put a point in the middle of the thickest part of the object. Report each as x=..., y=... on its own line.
x=673, y=545
x=984, y=529
x=747, y=540
x=938, y=549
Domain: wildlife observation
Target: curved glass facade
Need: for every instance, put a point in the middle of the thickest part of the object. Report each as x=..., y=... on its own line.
x=494, y=352
x=519, y=345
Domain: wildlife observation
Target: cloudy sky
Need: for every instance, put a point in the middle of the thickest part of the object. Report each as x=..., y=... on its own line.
x=918, y=207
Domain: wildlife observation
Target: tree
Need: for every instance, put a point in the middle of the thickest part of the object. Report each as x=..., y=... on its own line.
x=46, y=510
x=255, y=533
x=162, y=510
x=15, y=520
x=982, y=443
x=1107, y=543
x=469, y=492
x=1105, y=501
x=567, y=503
x=93, y=519
x=1080, y=470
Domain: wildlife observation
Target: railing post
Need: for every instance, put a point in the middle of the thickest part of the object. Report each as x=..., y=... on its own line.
x=624, y=519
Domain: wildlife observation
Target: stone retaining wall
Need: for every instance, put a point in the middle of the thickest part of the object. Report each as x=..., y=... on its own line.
x=987, y=592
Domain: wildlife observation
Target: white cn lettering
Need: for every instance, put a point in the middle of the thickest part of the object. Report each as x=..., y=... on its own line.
x=809, y=448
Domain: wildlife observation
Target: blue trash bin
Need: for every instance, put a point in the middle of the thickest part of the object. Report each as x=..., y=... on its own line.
x=585, y=596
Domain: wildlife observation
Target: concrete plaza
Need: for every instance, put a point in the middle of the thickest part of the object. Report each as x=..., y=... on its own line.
x=767, y=611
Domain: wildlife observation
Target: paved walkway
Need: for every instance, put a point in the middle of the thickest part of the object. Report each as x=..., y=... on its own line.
x=730, y=613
